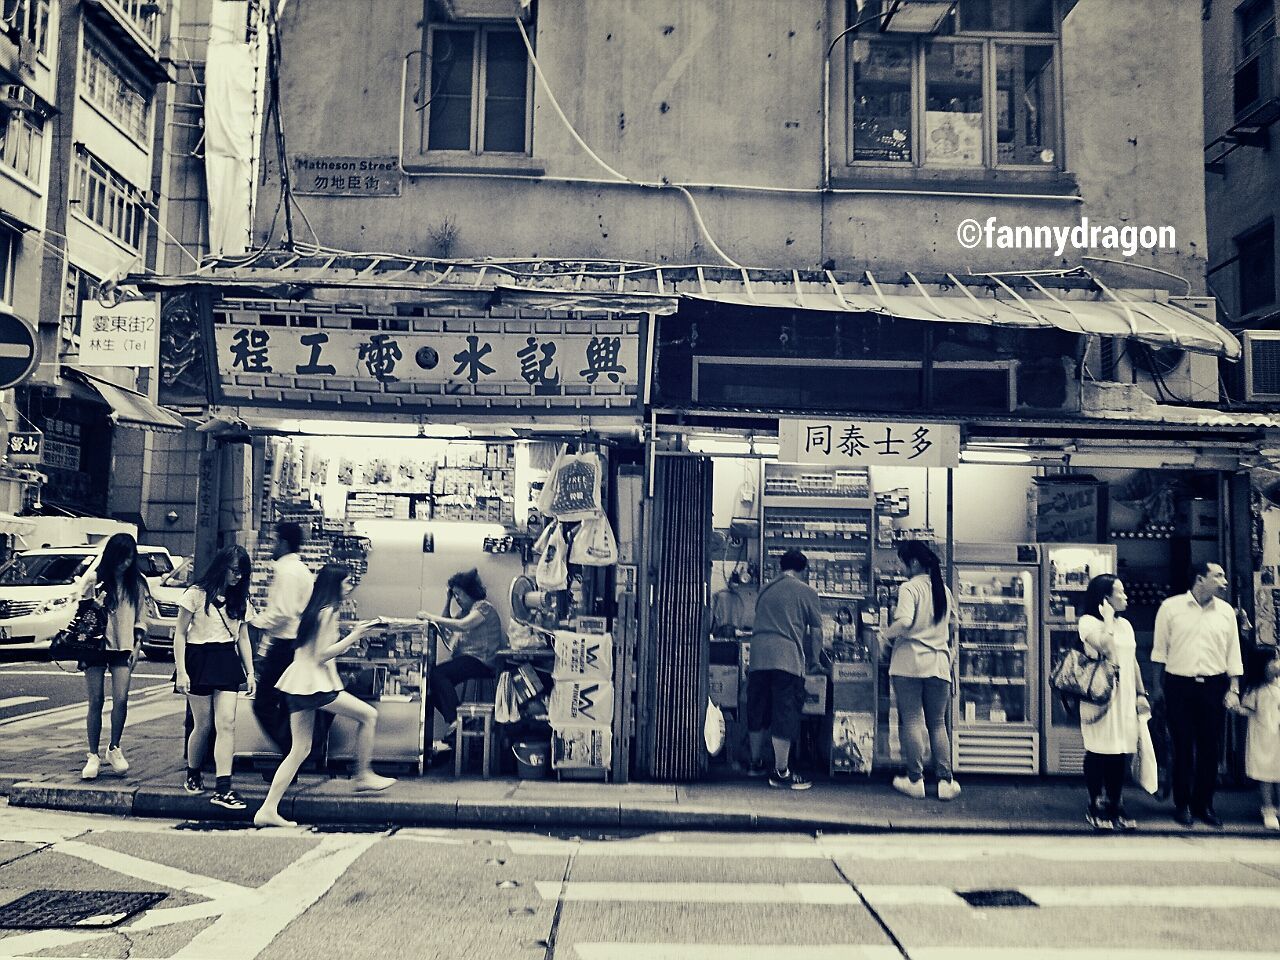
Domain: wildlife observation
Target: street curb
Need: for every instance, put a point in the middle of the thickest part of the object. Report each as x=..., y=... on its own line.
x=82, y=798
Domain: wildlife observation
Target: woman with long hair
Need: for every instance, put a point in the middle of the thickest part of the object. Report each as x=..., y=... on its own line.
x=312, y=683
x=122, y=590
x=1110, y=730
x=920, y=669
x=213, y=657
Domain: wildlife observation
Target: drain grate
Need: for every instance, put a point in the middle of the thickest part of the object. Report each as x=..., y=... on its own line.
x=996, y=898
x=66, y=909
x=214, y=826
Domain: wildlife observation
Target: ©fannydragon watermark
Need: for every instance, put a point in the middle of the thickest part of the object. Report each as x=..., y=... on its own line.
x=1127, y=240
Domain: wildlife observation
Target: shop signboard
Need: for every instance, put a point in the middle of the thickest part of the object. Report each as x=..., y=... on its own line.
x=871, y=443
x=347, y=176
x=61, y=448
x=122, y=335
x=24, y=446
x=306, y=354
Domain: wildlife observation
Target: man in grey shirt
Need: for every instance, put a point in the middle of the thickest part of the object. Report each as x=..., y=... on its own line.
x=785, y=646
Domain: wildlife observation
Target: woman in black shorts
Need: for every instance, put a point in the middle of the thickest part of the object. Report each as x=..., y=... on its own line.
x=312, y=683
x=122, y=590
x=214, y=659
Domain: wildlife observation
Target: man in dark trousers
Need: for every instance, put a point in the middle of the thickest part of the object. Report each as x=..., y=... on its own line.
x=1197, y=665
x=785, y=646
x=290, y=590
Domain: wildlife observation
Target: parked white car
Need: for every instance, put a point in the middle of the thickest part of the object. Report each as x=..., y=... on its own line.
x=39, y=589
x=166, y=591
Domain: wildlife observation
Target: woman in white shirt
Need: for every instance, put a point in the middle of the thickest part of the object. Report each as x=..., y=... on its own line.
x=1110, y=730
x=213, y=658
x=122, y=589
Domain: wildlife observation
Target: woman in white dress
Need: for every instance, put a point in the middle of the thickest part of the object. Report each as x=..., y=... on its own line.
x=312, y=683
x=1110, y=731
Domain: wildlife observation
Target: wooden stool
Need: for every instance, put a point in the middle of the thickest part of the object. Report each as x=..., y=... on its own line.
x=473, y=711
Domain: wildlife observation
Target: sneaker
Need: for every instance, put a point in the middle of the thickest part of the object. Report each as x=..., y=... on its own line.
x=1100, y=822
x=194, y=785
x=757, y=769
x=1270, y=820
x=91, y=767
x=912, y=788
x=948, y=789
x=789, y=780
x=228, y=801
x=1123, y=822
x=115, y=757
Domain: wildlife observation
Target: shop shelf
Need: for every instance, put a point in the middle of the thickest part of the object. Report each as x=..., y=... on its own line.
x=842, y=596
x=995, y=681
x=991, y=625
x=992, y=646
x=798, y=501
x=1015, y=601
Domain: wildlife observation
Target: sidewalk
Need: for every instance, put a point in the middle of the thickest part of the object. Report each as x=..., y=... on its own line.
x=42, y=770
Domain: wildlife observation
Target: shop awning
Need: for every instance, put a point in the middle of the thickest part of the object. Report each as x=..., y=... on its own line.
x=1075, y=301
x=128, y=407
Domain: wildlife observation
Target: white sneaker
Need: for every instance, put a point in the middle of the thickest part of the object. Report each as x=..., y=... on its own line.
x=115, y=757
x=1270, y=819
x=91, y=766
x=912, y=788
x=948, y=789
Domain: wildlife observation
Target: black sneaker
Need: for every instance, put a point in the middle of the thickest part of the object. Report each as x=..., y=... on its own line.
x=228, y=801
x=757, y=770
x=194, y=785
x=789, y=780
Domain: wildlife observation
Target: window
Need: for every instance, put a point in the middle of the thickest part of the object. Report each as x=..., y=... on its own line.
x=30, y=20
x=22, y=142
x=144, y=15
x=984, y=95
x=107, y=199
x=8, y=247
x=77, y=287
x=110, y=90
x=1256, y=268
x=1257, y=26
x=479, y=98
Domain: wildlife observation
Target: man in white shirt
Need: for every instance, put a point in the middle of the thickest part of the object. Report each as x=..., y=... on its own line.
x=290, y=590
x=1197, y=665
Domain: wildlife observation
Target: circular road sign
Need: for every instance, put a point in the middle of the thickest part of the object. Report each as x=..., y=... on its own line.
x=19, y=349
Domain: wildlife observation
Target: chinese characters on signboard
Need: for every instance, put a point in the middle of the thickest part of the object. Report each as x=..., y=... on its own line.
x=61, y=445
x=876, y=443
x=24, y=446
x=124, y=335
x=346, y=176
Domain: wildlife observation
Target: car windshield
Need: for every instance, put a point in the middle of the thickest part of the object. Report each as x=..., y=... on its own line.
x=154, y=564
x=181, y=576
x=44, y=569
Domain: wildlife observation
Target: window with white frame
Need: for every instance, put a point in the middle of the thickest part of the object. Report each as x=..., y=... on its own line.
x=22, y=142
x=479, y=95
x=982, y=93
x=108, y=88
x=78, y=286
x=31, y=21
x=107, y=199
x=144, y=14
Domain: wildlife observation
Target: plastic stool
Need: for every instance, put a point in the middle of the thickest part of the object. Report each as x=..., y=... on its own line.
x=473, y=711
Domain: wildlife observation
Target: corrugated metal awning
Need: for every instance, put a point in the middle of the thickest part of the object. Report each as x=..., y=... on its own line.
x=128, y=407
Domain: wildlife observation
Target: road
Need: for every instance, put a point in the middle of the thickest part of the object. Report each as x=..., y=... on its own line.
x=418, y=893
x=29, y=688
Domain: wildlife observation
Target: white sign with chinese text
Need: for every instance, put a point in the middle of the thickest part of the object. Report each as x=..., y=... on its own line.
x=874, y=443
x=125, y=335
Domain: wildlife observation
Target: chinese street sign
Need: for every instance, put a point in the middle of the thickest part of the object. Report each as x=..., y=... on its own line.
x=19, y=349
x=125, y=335
x=875, y=443
x=24, y=446
x=346, y=176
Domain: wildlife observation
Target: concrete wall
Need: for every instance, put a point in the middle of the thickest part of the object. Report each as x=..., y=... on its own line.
x=1249, y=191
x=729, y=92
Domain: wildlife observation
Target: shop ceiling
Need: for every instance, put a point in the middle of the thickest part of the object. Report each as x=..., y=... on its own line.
x=1073, y=301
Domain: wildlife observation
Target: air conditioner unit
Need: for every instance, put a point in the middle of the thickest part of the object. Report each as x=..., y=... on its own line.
x=486, y=9
x=1262, y=365
x=16, y=98
x=914, y=16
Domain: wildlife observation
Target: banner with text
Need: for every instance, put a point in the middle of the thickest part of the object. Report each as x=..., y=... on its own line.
x=874, y=443
x=124, y=335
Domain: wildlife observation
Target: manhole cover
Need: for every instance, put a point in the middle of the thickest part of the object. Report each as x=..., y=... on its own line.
x=62, y=909
x=996, y=898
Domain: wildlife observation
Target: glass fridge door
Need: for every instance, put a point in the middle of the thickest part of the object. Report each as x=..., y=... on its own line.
x=997, y=607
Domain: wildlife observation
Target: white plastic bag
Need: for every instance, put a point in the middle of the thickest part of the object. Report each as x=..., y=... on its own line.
x=505, y=709
x=713, y=730
x=594, y=544
x=572, y=490
x=1145, y=772
x=553, y=569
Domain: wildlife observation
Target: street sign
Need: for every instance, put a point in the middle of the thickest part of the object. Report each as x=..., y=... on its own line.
x=25, y=446
x=19, y=349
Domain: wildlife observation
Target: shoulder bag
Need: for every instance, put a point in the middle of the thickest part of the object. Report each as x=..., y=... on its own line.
x=85, y=634
x=1084, y=678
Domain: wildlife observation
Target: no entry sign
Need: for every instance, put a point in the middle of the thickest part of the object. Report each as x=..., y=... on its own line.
x=19, y=349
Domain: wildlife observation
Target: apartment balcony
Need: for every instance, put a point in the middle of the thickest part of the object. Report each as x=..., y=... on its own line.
x=1256, y=88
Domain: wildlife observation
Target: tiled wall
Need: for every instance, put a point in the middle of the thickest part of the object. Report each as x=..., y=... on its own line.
x=171, y=485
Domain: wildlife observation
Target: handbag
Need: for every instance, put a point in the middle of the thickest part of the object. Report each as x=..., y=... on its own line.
x=1084, y=678
x=85, y=634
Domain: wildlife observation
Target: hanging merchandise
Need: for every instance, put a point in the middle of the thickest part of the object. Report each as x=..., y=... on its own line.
x=594, y=544
x=540, y=545
x=506, y=708
x=581, y=701
x=583, y=656
x=713, y=730
x=553, y=569
x=572, y=490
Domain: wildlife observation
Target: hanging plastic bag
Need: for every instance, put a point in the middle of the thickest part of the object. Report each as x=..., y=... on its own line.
x=540, y=545
x=572, y=490
x=1145, y=772
x=594, y=544
x=553, y=569
x=713, y=730
x=505, y=707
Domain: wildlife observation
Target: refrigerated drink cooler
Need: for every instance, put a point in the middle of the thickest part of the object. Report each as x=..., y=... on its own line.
x=996, y=709
x=1066, y=571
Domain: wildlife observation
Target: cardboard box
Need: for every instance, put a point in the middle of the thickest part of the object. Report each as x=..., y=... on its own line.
x=815, y=696
x=581, y=747
x=853, y=741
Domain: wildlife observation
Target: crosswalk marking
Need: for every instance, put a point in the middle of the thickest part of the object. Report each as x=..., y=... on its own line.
x=1207, y=898
x=772, y=893
x=38, y=719
x=20, y=701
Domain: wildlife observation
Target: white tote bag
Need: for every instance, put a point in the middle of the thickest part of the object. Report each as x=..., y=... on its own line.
x=1145, y=772
x=553, y=568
